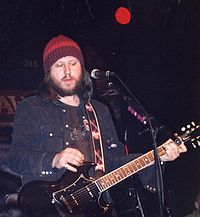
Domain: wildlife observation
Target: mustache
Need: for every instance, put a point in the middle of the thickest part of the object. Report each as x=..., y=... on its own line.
x=67, y=77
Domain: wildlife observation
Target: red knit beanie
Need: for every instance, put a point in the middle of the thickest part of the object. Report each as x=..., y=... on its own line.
x=59, y=47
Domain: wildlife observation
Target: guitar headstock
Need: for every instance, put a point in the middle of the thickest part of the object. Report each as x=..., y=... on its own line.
x=191, y=132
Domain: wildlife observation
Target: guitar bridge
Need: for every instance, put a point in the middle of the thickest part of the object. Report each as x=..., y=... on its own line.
x=66, y=203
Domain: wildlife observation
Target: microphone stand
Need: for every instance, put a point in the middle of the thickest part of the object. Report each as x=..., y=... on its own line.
x=154, y=131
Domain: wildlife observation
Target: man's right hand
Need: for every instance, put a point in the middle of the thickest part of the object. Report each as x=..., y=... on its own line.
x=69, y=158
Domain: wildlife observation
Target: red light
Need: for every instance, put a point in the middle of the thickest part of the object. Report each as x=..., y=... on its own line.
x=123, y=15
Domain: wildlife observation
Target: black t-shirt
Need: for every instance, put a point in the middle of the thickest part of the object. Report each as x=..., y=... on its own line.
x=80, y=134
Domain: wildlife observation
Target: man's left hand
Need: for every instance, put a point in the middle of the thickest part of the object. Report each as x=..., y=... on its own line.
x=172, y=150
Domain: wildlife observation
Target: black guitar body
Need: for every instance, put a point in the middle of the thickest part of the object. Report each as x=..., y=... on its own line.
x=69, y=194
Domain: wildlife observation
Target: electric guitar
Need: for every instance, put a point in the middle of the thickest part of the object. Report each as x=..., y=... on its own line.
x=78, y=192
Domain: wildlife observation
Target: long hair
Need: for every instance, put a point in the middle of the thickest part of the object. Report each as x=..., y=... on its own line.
x=47, y=91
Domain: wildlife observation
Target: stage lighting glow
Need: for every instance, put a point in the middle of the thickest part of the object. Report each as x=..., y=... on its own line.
x=123, y=15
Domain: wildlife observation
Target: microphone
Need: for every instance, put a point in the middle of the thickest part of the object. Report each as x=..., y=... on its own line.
x=98, y=74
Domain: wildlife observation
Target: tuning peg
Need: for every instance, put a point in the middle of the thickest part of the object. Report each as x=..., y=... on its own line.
x=189, y=127
x=193, y=123
x=183, y=129
x=198, y=142
x=193, y=144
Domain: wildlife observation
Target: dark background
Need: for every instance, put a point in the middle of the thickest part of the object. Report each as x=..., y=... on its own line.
x=156, y=55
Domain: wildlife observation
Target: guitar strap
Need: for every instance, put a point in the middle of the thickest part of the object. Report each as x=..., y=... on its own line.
x=96, y=136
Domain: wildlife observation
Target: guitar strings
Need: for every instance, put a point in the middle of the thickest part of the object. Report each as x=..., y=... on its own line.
x=74, y=198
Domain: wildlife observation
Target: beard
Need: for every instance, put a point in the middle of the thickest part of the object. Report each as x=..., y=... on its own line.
x=67, y=91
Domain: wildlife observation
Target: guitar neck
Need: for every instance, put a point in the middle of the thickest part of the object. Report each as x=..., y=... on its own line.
x=127, y=170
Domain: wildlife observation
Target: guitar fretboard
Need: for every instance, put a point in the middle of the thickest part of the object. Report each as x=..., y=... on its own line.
x=127, y=170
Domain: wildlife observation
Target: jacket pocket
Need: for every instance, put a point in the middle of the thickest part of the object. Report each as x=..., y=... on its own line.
x=51, y=139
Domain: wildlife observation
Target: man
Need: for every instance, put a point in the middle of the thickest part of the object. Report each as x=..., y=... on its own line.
x=196, y=212
x=61, y=128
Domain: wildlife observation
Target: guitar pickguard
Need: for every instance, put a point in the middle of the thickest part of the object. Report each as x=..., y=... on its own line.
x=78, y=196
x=77, y=201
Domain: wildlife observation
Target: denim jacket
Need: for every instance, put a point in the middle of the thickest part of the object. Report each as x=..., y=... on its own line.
x=41, y=130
